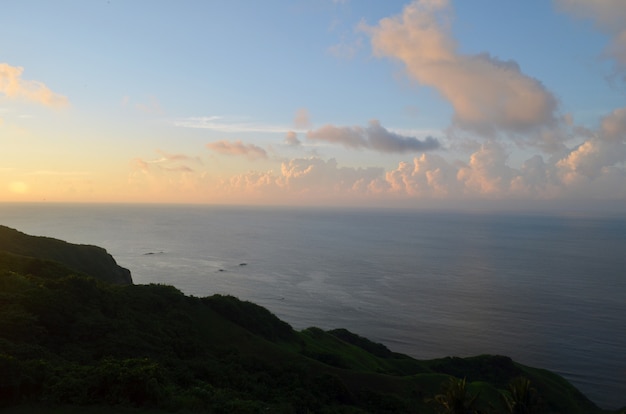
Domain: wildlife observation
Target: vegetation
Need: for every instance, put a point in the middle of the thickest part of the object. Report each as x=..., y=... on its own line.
x=90, y=260
x=72, y=342
x=522, y=397
x=456, y=398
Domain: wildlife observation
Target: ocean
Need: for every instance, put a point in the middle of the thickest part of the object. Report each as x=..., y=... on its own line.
x=547, y=290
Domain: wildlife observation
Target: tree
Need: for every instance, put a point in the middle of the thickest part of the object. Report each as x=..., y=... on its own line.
x=456, y=399
x=522, y=397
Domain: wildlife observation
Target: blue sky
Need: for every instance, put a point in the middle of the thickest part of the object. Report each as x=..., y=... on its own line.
x=421, y=103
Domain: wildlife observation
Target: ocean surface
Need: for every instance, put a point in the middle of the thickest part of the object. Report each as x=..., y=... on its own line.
x=547, y=290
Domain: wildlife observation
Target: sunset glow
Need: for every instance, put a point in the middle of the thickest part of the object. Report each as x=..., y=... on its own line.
x=415, y=104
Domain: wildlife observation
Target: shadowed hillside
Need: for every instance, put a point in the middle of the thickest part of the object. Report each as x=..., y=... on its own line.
x=90, y=260
x=71, y=340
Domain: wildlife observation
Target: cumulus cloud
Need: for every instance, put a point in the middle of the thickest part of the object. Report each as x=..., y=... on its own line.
x=315, y=174
x=303, y=180
x=13, y=86
x=591, y=159
x=487, y=171
x=609, y=16
x=429, y=175
x=594, y=168
x=613, y=126
x=374, y=137
x=488, y=95
x=237, y=148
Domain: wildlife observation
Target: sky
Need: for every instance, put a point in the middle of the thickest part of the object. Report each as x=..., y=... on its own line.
x=422, y=104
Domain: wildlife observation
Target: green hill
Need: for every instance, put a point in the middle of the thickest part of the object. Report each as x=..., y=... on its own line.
x=90, y=260
x=73, y=342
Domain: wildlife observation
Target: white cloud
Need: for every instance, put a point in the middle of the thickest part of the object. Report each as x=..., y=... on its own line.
x=229, y=124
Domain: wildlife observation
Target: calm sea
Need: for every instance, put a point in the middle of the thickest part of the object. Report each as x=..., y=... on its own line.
x=547, y=290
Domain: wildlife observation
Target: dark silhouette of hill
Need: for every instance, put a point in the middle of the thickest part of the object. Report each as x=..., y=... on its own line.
x=69, y=339
x=90, y=260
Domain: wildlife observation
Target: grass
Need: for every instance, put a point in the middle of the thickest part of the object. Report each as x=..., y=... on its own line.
x=70, y=342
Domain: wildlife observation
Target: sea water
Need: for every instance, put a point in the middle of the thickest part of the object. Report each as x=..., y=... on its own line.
x=547, y=290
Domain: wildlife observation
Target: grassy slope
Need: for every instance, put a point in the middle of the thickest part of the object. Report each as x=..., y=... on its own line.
x=74, y=341
x=90, y=260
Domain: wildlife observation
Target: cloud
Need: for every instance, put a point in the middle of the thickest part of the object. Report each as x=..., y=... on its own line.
x=429, y=175
x=301, y=120
x=487, y=172
x=613, y=126
x=595, y=168
x=317, y=175
x=291, y=138
x=168, y=174
x=488, y=95
x=346, y=48
x=591, y=159
x=13, y=86
x=609, y=16
x=177, y=157
x=153, y=107
x=374, y=137
x=229, y=124
x=237, y=148
x=166, y=162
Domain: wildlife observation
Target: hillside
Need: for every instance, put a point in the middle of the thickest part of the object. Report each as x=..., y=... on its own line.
x=90, y=260
x=71, y=339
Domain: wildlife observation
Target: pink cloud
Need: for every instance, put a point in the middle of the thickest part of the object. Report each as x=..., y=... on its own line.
x=237, y=148
x=291, y=138
x=13, y=86
x=488, y=95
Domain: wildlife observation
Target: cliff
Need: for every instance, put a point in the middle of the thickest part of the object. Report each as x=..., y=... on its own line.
x=90, y=260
